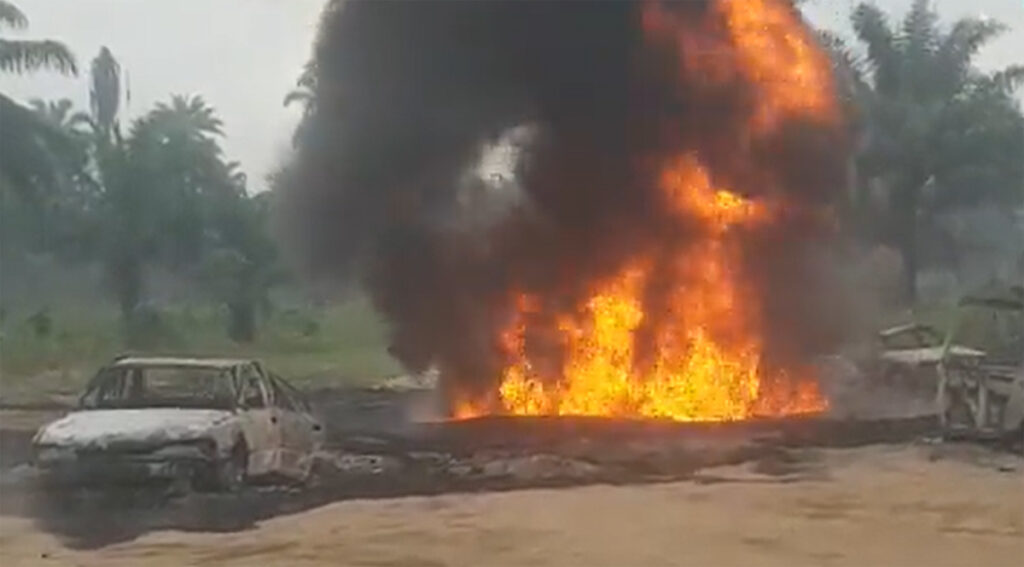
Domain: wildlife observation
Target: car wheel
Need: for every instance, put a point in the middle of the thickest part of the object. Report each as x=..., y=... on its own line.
x=231, y=471
x=959, y=420
x=1014, y=441
x=226, y=475
x=889, y=378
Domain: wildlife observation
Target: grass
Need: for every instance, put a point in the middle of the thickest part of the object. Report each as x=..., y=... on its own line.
x=340, y=344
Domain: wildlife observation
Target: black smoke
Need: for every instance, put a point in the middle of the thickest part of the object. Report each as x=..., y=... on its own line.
x=408, y=93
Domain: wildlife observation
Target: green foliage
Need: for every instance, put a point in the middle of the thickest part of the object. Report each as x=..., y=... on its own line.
x=160, y=194
x=938, y=132
x=304, y=94
x=242, y=266
x=76, y=187
x=11, y=16
x=105, y=93
x=348, y=349
x=22, y=56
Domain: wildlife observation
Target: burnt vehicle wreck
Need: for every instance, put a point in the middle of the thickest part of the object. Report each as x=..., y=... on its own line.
x=983, y=396
x=209, y=423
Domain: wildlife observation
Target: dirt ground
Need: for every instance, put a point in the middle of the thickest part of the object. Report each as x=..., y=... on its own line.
x=909, y=505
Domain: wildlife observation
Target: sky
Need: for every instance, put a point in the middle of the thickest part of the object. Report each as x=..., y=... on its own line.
x=243, y=56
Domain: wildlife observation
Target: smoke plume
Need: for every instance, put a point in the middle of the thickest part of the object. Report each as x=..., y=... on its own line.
x=409, y=93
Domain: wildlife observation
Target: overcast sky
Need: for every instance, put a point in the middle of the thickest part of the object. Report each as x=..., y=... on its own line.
x=243, y=55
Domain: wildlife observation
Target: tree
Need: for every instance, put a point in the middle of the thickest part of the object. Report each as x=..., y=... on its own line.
x=153, y=185
x=27, y=141
x=179, y=141
x=27, y=147
x=44, y=157
x=156, y=184
x=61, y=114
x=22, y=56
x=242, y=265
x=105, y=93
x=188, y=118
x=304, y=94
x=76, y=126
x=932, y=122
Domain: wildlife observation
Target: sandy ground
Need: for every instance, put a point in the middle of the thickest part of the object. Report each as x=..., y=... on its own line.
x=869, y=506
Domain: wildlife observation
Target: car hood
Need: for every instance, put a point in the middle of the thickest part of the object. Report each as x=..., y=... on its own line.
x=100, y=429
x=929, y=355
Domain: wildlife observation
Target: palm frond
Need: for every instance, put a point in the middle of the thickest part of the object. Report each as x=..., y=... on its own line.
x=969, y=35
x=308, y=77
x=25, y=56
x=298, y=96
x=1008, y=80
x=872, y=28
x=28, y=147
x=918, y=42
x=957, y=49
x=848, y=68
x=81, y=119
x=920, y=27
x=105, y=92
x=11, y=16
x=39, y=106
x=841, y=53
x=60, y=114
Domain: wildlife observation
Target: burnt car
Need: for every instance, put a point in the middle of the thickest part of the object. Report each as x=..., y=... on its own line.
x=909, y=355
x=213, y=423
x=983, y=397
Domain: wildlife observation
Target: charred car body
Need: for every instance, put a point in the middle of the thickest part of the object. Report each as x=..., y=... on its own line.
x=983, y=396
x=909, y=357
x=211, y=422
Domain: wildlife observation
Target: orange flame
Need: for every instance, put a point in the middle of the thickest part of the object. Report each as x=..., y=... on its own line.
x=707, y=362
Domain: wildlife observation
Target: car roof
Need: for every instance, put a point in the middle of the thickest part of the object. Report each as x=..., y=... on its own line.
x=900, y=329
x=188, y=362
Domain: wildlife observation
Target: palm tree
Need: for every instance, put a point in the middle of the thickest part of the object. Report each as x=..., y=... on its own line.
x=305, y=95
x=21, y=56
x=158, y=183
x=242, y=265
x=189, y=116
x=60, y=114
x=28, y=142
x=71, y=157
x=305, y=89
x=105, y=93
x=930, y=119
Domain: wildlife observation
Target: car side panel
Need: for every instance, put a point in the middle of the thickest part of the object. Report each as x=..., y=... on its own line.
x=263, y=439
x=298, y=445
x=302, y=433
x=261, y=426
x=1013, y=418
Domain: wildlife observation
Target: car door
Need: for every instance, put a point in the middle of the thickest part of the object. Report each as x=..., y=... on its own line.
x=302, y=433
x=259, y=421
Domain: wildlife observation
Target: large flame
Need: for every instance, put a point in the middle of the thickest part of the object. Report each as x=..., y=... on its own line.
x=707, y=361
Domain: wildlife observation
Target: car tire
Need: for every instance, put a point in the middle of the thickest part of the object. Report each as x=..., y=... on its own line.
x=225, y=475
x=891, y=377
x=231, y=471
x=1014, y=441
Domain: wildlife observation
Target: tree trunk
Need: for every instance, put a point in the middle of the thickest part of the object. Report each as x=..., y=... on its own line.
x=910, y=267
x=126, y=278
x=906, y=204
x=242, y=321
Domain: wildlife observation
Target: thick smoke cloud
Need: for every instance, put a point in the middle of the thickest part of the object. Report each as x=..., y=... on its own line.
x=409, y=93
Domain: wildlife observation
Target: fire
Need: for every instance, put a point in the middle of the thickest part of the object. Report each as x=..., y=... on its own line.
x=765, y=44
x=698, y=354
x=779, y=54
x=708, y=355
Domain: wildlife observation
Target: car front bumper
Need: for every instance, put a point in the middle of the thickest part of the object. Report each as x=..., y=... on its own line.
x=98, y=469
